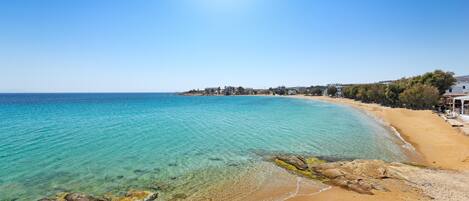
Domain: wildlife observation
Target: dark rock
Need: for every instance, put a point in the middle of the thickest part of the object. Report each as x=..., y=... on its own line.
x=46, y=199
x=108, y=178
x=297, y=161
x=81, y=197
x=139, y=171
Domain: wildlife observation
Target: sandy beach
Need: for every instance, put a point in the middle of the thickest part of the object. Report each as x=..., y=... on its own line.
x=440, y=145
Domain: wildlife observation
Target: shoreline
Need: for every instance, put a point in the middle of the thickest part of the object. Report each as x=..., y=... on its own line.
x=436, y=144
x=410, y=126
x=440, y=145
x=412, y=154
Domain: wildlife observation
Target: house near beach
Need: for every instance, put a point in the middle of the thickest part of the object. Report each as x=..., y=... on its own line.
x=456, y=98
x=461, y=107
x=461, y=87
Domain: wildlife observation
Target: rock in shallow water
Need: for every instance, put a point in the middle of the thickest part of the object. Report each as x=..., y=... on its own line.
x=130, y=196
x=81, y=197
x=297, y=161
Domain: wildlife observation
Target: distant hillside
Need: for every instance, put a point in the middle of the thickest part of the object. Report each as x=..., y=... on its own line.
x=464, y=78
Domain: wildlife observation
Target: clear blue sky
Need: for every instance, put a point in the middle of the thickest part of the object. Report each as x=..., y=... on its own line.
x=175, y=45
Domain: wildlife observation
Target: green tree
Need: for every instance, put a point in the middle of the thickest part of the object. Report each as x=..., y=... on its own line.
x=316, y=91
x=331, y=90
x=420, y=96
x=362, y=93
x=392, y=94
x=439, y=79
x=376, y=93
x=240, y=91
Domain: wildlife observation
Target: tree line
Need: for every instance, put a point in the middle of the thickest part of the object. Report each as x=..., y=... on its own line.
x=419, y=92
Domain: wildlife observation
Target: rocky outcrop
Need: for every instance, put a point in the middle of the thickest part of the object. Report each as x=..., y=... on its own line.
x=130, y=196
x=297, y=161
x=362, y=176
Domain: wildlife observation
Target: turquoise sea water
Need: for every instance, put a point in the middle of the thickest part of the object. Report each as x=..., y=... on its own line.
x=99, y=143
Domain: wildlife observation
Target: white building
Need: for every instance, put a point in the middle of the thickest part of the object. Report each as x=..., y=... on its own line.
x=461, y=87
x=463, y=109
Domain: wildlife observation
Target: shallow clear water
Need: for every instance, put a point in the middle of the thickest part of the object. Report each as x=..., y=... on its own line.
x=98, y=143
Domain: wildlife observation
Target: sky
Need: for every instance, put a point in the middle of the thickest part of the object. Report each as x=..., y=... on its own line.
x=177, y=45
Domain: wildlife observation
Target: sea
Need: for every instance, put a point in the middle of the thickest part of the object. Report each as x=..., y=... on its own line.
x=110, y=143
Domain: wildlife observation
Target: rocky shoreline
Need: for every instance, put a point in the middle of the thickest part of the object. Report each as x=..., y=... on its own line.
x=367, y=177
x=377, y=176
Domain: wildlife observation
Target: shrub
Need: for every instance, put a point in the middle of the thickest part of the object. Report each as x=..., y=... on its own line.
x=420, y=96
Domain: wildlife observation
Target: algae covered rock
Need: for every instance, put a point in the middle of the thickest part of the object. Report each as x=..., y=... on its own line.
x=81, y=197
x=130, y=196
x=139, y=196
x=362, y=176
x=297, y=161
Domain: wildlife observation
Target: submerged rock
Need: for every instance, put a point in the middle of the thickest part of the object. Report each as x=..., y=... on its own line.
x=46, y=199
x=297, y=161
x=130, y=196
x=139, y=196
x=81, y=197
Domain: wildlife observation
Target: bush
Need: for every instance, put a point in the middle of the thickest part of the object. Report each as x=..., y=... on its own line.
x=415, y=92
x=316, y=91
x=420, y=96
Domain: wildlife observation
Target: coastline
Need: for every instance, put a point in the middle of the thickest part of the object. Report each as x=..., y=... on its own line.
x=276, y=183
x=440, y=145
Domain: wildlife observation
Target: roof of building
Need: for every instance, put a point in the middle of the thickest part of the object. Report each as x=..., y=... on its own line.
x=462, y=78
x=461, y=98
